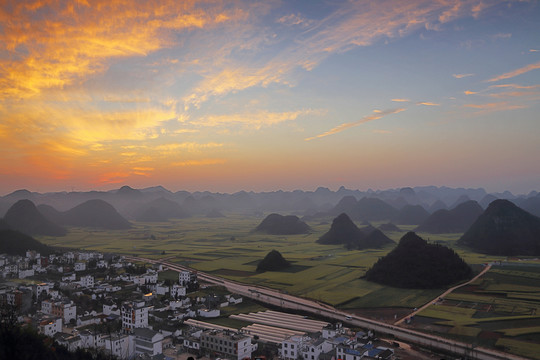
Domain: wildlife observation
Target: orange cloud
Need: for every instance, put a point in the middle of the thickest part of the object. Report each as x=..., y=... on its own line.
x=365, y=119
x=427, y=103
x=461, y=76
x=401, y=100
x=493, y=107
x=516, y=72
x=75, y=40
x=255, y=120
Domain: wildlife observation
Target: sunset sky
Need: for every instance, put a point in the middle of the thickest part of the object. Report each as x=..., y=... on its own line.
x=266, y=95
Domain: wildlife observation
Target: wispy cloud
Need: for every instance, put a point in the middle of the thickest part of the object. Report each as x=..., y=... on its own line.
x=255, y=120
x=427, y=103
x=461, y=76
x=401, y=100
x=377, y=115
x=494, y=107
x=514, y=73
x=202, y=162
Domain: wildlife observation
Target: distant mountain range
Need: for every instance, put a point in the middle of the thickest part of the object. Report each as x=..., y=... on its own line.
x=370, y=205
x=25, y=217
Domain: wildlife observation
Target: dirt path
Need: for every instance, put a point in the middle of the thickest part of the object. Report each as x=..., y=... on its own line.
x=486, y=268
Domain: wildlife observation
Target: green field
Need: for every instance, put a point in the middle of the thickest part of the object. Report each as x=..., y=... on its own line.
x=228, y=247
x=501, y=310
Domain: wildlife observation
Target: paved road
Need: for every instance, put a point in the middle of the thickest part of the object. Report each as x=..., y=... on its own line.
x=275, y=297
x=429, y=303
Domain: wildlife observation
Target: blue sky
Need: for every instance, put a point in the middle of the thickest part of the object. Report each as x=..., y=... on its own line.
x=266, y=95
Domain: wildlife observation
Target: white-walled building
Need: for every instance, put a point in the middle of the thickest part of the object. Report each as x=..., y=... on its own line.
x=291, y=347
x=134, y=315
x=185, y=277
x=80, y=266
x=148, y=341
x=230, y=345
x=177, y=291
x=87, y=281
x=50, y=326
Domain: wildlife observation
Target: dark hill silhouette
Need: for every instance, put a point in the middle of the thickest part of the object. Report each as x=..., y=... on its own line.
x=214, y=214
x=273, y=261
x=415, y=264
x=437, y=205
x=96, y=214
x=389, y=227
x=504, y=229
x=127, y=191
x=13, y=242
x=486, y=200
x=4, y=225
x=276, y=224
x=346, y=205
x=25, y=217
x=161, y=209
x=373, y=209
x=457, y=220
x=463, y=198
x=344, y=231
x=51, y=213
x=531, y=204
x=412, y=215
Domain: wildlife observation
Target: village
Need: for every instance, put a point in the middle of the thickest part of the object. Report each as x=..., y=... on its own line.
x=88, y=300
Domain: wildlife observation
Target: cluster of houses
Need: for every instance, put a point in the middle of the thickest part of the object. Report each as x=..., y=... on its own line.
x=91, y=302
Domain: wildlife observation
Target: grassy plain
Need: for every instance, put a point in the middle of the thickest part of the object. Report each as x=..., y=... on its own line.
x=499, y=310
x=228, y=247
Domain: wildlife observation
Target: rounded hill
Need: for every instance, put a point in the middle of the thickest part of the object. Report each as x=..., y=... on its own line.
x=415, y=264
x=276, y=224
x=25, y=217
x=504, y=229
x=273, y=261
x=344, y=231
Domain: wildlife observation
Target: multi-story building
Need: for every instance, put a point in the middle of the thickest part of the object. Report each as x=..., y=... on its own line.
x=67, y=310
x=227, y=344
x=148, y=342
x=291, y=348
x=178, y=291
x=80, y=266
x=134, y=315
x=186, y=277
x=87, y=281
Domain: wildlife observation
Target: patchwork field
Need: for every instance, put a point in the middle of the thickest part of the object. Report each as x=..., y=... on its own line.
x=228, y=247
x=501, y=310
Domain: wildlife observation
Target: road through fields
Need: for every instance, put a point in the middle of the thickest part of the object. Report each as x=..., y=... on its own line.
x=287, y=301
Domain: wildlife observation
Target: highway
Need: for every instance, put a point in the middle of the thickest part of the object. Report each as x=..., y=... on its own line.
x=287, y=301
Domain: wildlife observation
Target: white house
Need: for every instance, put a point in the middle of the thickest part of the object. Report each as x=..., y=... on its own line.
x=177, y=291
x=80, y=266
x=50, y=326
x=291, y=347
x=148, y=341
x=230, y=345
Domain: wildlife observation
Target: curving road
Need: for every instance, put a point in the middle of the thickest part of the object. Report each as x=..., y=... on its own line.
x=486, y=268
x=274, y=297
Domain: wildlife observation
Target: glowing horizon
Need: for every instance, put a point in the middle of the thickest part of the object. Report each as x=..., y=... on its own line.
x=209, y=95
